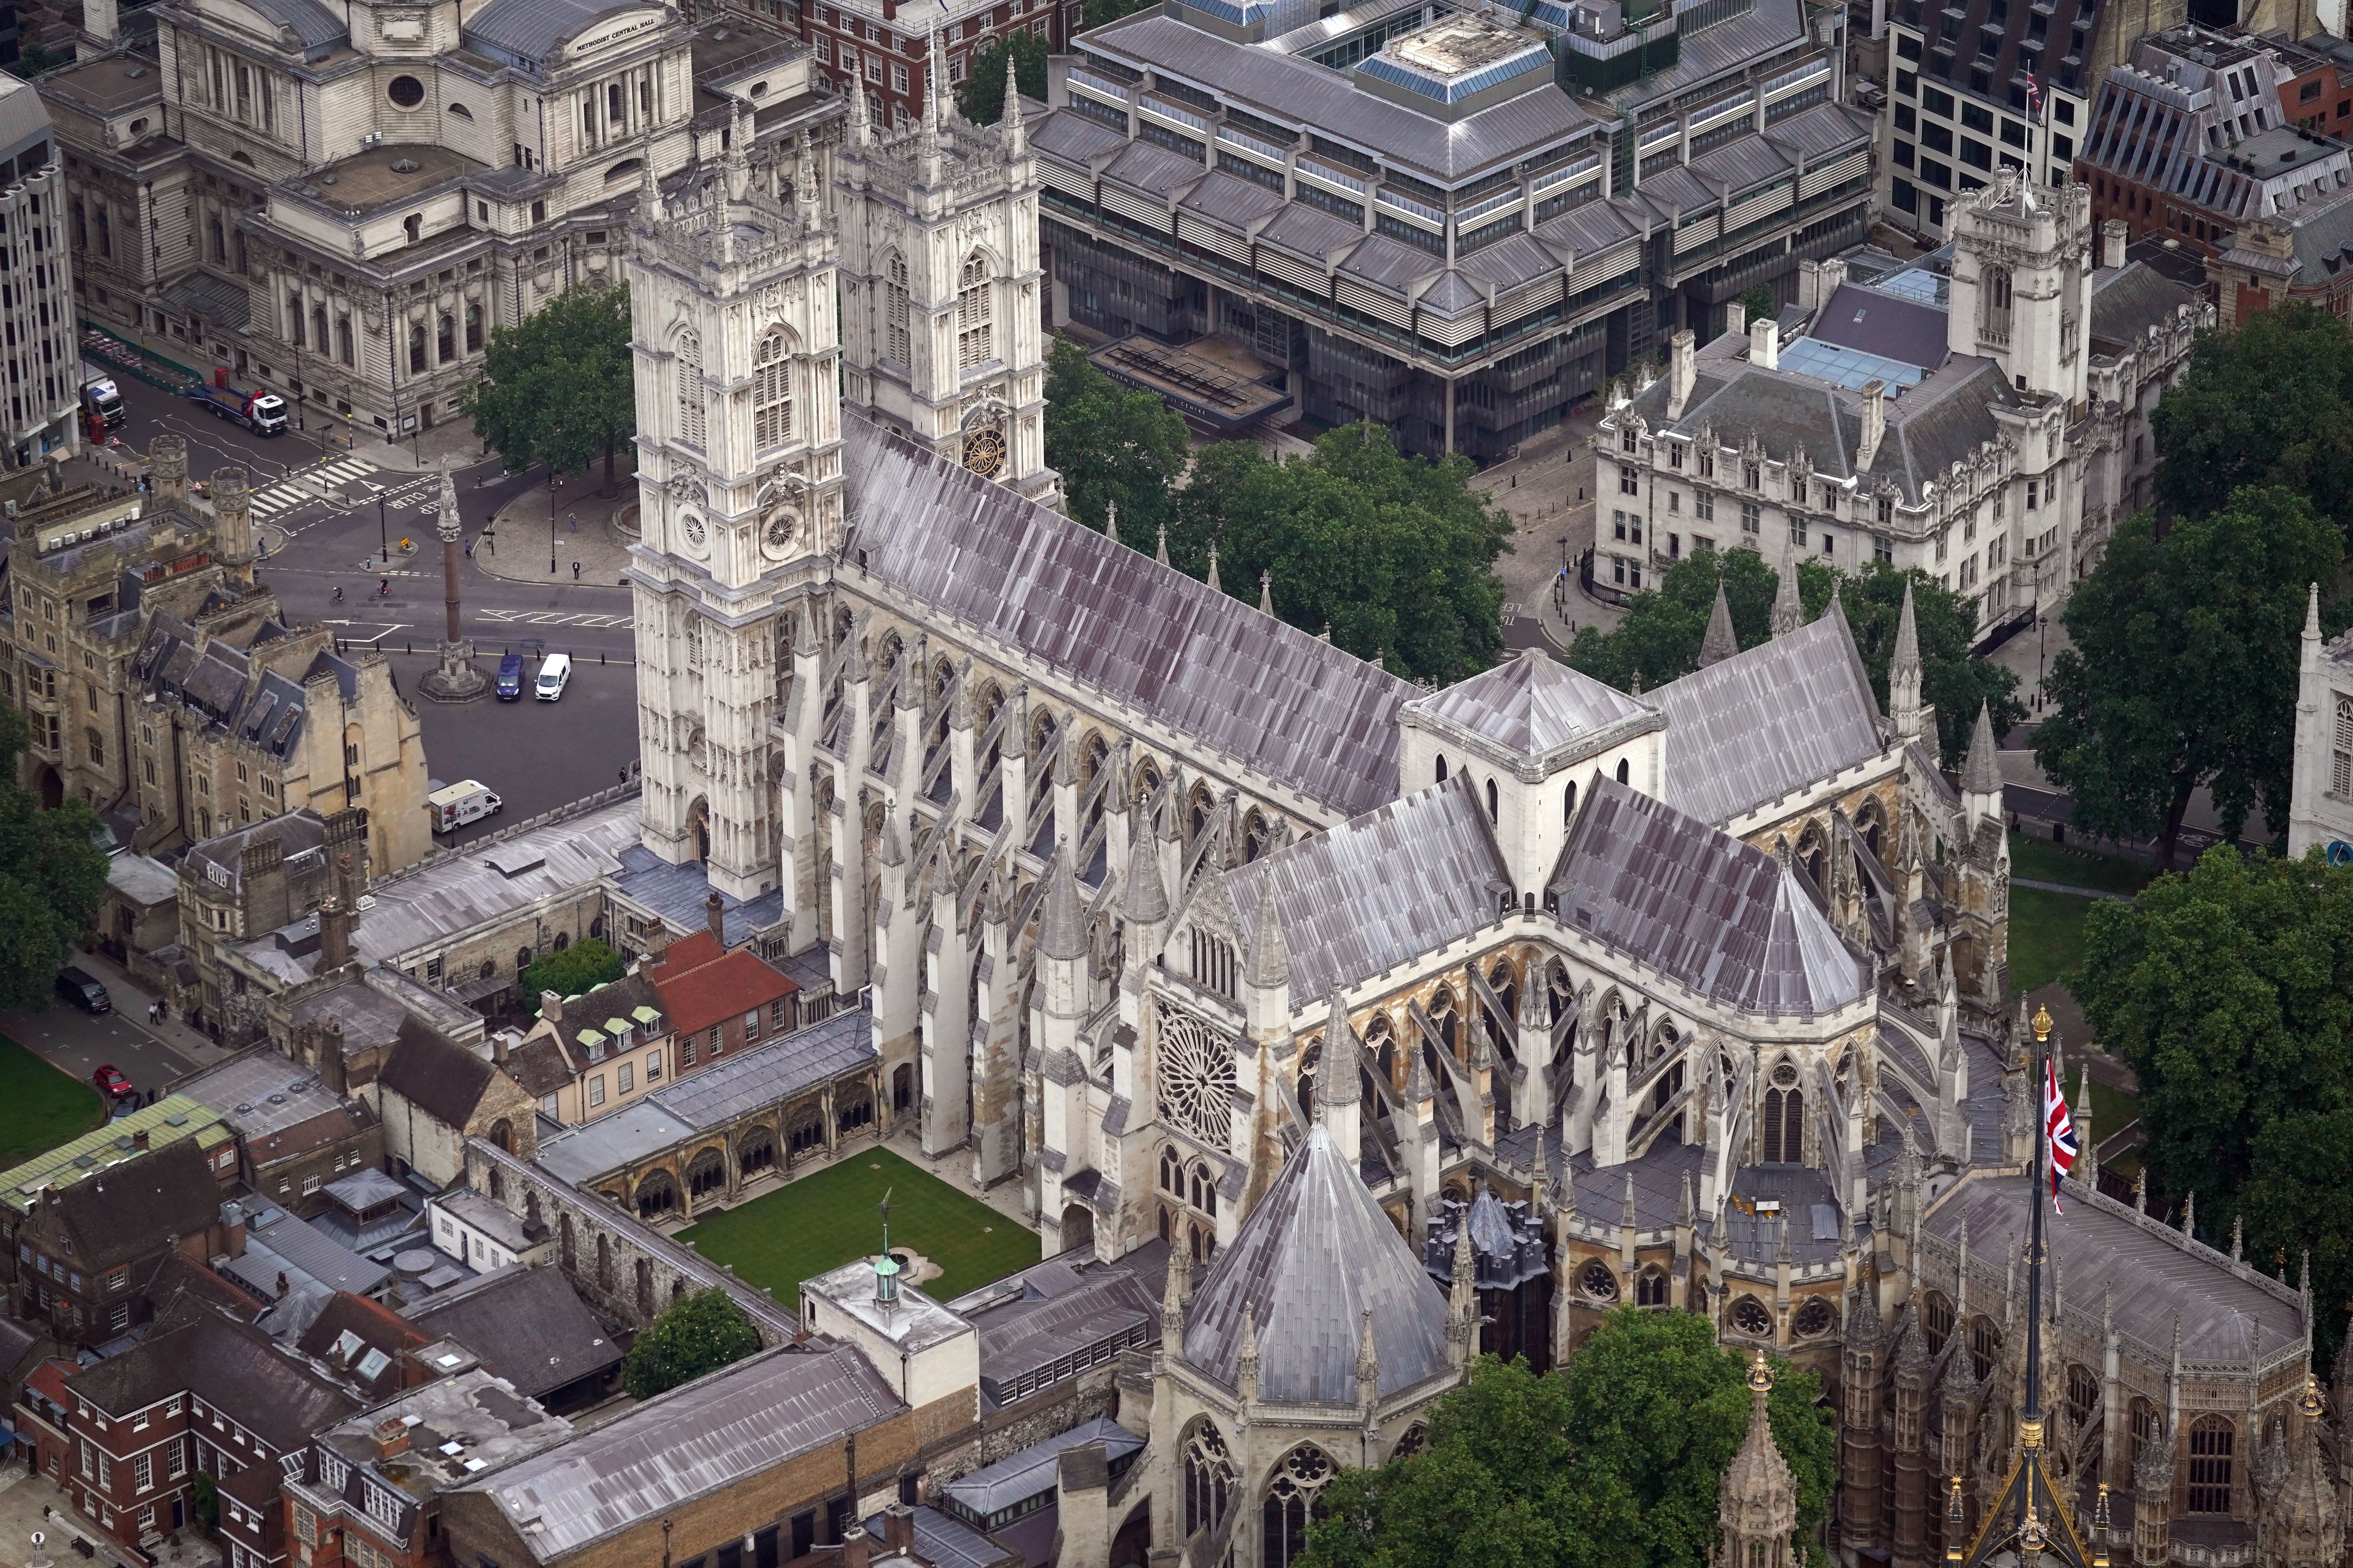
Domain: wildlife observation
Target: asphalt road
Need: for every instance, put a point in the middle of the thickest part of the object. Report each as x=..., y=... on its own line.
x=67, y=1038
x=533, y=755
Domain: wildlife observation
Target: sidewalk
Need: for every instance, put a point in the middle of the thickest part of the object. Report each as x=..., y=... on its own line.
x=131, y=1002
x=594, y=531
x=29, y=1502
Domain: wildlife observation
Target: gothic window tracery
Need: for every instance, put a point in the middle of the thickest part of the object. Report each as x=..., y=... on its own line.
x=1196, y=1076
x=894, y=311
x=975, y=325
x=690, y=427
x=1939, y=1324
x=2211, y=1441
x=1750, y=1318
x=1208, y=1477
x=1651, y=1287
x=772, y=393
x=1813, y=1320
x=1783, y=1128
x=1293, y=1496
x=1598, y=1281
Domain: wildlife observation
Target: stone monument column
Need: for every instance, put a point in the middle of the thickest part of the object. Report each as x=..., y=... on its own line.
x=454, y=678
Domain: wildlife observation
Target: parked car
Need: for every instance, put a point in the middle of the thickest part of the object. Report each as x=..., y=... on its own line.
x=555, y=675
x=454, y=805
x=112, y=1082
x=511, y=679
x=84, y=992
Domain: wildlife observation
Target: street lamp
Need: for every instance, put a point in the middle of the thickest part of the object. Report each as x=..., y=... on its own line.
x=551, y=519
x=2041, y=643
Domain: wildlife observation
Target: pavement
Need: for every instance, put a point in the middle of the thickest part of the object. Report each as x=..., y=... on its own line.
x=30, y=1503
x=1546, y=487
x=151, y=1055
x=591, y=541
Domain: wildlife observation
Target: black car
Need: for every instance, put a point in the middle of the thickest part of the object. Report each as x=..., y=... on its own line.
x=84, y=992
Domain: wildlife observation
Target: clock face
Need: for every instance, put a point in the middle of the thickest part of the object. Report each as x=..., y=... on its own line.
x=983, y=452
x=784, y=527
x=696, y=534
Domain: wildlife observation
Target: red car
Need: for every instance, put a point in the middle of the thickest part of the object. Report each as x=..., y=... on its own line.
x=111, y=1083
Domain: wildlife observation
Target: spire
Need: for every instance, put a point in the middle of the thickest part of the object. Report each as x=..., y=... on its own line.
x=1789, y=614
x=1720, y=642
x=1463, y=1296
x=1369, y=1362
x=1337, y=1083
x=806, y=199
x=1540, y=1176
x=1904, y=671
x=927, y=143
x=1837, y=611
x=1627, y=1220
x=737, y=159
x=1172, y=1303
x=649, y=201
x=1063, y=927
x=1146, y=901
x=1160, y=552
x=1687, y=1212
x=861, y=122
x=1270, y=960
x=1215, y=586
x=1012, y=137
x=1266, y=592
x=2190, y=1217
x=1756, y=1504
x=2312, y=613
x=1111, y=521
x=1980, y=774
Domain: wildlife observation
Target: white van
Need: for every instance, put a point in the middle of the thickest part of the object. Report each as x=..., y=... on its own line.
x=554, y=673
x=454, y=805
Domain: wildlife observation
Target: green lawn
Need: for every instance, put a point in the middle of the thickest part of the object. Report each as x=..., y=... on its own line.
x=823, y=1221
x=2046, y=936
x=2044, y=861
x=40, y=1107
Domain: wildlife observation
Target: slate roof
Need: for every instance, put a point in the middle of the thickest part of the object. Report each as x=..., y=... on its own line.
x=1064, y=1307
x=1020, y=1476
x=709, y=1434
x=1885, y=324
x=228, y=1365
x=536, y=29
x=1533, y=704
x=363, y=1338
x=442, y=1079
x=1207, y=665
x=2130, y=300
x=528, y=1325
x=1314, y=1256
x=1396, y=882
x=1709, y=912
x=220, y=860
x=946, y=1541
x=139, y=1206
x=1767, y=722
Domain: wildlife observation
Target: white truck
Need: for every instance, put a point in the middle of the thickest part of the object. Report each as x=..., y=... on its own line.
x=454, y=805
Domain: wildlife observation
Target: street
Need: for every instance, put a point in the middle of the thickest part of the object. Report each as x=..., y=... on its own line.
x=534, y=755
x=71, y=1040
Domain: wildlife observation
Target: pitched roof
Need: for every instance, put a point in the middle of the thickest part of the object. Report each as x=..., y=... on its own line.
x=443, y=1079
x=1717, y=915
x=1207, y=665
x=230, y=1365
x=1767, y=722
x=708, y=993
x=1314, y=1256
x=527, y=1325
x=1380, y=888
x=363, y=1338
x=1534, y=704
x=139, y=1206
x=711, y=1433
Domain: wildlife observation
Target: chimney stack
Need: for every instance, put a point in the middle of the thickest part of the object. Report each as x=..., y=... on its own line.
x=1735, y=318
x=899, y=1528
x=391, y=1437
x=715, y=915
x=1764, y=344
x=2113, y=234
x=1874, y=425
x=167, y=464
x=856, y=1545
x=551, y=1006
x=334, y=934
x=1680, y=373
x=233, y=522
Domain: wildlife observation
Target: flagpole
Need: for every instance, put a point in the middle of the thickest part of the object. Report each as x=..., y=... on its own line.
x=2031, y=1425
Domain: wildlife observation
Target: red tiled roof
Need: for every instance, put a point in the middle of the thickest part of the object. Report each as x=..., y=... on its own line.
x=690, y=952
x=724, y=987
x=49, y=1380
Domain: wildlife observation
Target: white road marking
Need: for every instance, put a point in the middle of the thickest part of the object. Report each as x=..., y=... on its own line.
x=554, y=618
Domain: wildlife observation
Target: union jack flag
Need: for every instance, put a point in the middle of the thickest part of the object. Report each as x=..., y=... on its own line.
x=2033, y=99
x=2060, y=1128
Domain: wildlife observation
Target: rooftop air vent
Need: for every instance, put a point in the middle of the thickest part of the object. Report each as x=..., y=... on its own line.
x=403, y=165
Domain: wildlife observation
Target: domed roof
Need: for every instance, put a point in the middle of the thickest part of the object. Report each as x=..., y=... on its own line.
x=1313, y=1258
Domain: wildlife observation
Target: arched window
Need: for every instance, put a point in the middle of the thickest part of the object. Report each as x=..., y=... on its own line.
x=1205, y=1190
x=1939, y=1323
x=2148, y=1426
x=1985, y=1343
x=2340, y=763
x=473, y=326
x=1625, y=772
x=1172, y=1171
x=445, y=339
x=1598, y=1281
x=689, y=389
x=1568, y=803
x=319, y=327
x=976, y=314
x=895, y=345
x=1491, y=800
x=1441, y=762
x=2083, y=1392
x=1208, y=1477
x=1813, y=1319
x=1293, y=1496
x=2212, y=1439
x=1993, y=304
x=772, y=394
x=416, y=348
x=1650, y=1288
x=294, y=319
x=1783, y=1128
x=343, y=339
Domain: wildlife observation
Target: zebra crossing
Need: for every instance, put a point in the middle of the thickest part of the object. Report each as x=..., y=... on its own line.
x=307, y=488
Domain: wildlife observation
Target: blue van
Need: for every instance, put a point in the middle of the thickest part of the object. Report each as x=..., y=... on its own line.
x=511, y=679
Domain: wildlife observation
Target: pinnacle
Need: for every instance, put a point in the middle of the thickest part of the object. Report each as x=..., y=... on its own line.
x=1720, y=642
x=1789, y=614
x=1980, y=774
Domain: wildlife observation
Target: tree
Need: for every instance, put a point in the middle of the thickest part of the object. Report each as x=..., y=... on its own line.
x=2269, y=404
x=701, y=1333
x=1394, y=553
x=1758, y=302
x=2229, y=989
x=585, y=965
x=981, y=100
x=52, y=875
x=1111, y=445
x=1615, y=1462
x=2183, y=672
x=1661, y=634
x=1101, y=13
x=559, y=389
x=34, y=58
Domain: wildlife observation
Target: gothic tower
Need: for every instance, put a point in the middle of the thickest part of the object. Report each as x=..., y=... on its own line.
x=1757, y=1511
x=739, y=482
x=940, y=287
x=2022, y=283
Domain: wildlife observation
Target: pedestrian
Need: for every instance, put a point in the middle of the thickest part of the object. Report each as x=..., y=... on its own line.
x=576, y=571
x=469, y=549
x=572, y=521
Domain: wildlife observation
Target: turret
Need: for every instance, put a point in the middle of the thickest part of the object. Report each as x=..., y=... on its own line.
x=1981, y=773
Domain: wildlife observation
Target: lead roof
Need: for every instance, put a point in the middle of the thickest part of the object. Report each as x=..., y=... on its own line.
x=1768, y=723
x=1308, y=1263
x=1531, y=704
x=1207, y=665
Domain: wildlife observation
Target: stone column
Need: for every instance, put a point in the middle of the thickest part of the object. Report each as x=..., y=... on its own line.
x=453, y=678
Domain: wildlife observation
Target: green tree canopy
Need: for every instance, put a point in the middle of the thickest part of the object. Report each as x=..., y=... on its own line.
x=1661, y=634
x=1757, y=301
x=1099, y=13
x=2268, y=404
x=981, y=98
x=585, y=964
x=1394, y=553
x=52, y=874
x=2229, y=989
x=701, y=1333
x=1111, y=445
x=559, y=389
x=1613, y=1463
x=2183, y=671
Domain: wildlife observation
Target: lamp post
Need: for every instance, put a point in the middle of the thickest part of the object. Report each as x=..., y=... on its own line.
x=551, y=518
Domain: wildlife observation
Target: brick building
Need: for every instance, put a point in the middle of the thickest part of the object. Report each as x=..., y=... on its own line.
x=719, y=1001
x=886, y=44
x=84, y=1257
x=295, y=1133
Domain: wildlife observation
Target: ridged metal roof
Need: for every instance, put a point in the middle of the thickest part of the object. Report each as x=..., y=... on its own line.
x=1379, y=891
x=1767, y=722
x=1208, y=665
x=1311, y=1259
x=1700, y=907
x=1531, y=704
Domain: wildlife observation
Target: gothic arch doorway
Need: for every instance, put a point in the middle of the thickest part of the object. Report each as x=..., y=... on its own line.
x=697, y=828
x=53, y=789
